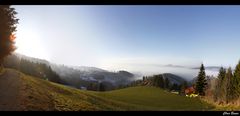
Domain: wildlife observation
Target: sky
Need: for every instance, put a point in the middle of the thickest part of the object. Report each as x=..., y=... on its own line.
x=118, y=37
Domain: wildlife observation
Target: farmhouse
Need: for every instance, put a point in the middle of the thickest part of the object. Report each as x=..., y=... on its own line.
x=189, y=90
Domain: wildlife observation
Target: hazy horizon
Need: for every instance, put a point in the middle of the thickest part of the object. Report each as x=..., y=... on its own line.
x=133, y=38
x=140, y=69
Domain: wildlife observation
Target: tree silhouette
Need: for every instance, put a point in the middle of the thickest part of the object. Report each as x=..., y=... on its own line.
x=201, y=81
x=236, y=82
x=229, y=85
x=167, y=83
x=8, y=23
x=101, y=87
x=220, y=92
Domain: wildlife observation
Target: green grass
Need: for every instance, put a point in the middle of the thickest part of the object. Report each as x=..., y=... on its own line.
x=151, y=98
x=38, y=94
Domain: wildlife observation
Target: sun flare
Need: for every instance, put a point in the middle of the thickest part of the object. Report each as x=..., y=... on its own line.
x=28, y=42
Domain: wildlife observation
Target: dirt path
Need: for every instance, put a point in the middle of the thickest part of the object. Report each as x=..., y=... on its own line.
x=10, y=84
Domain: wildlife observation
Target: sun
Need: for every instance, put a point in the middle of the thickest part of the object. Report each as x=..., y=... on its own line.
x=28, y=42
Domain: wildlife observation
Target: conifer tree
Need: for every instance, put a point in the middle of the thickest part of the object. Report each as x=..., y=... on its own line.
x=222, y=84
x=8, y=23
x=166, y=83
x=161, y=81
x=229, y=86
x=201, y=81
x=236, y=82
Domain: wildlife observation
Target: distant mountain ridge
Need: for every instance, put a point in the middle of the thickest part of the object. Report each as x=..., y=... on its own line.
x=191, y=67
x=32, y=59
x=83, y=76
x=216, y=68
x=173, y=78
x=88, y=69
x=74, y=76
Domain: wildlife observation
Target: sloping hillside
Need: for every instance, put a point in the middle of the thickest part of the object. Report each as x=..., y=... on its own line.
x=22, y=92
x=152, y=98
x=75, y=76
x=32, y=66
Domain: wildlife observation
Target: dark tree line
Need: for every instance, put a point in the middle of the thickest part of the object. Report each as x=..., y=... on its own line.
x=96, y=86
x=40, y=70
x=227, y=88
x=157, y=81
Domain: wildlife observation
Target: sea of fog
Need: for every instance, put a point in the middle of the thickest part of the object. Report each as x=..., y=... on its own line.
x=185, y=72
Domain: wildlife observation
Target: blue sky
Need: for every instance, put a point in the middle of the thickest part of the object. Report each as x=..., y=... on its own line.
x=117, y=36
